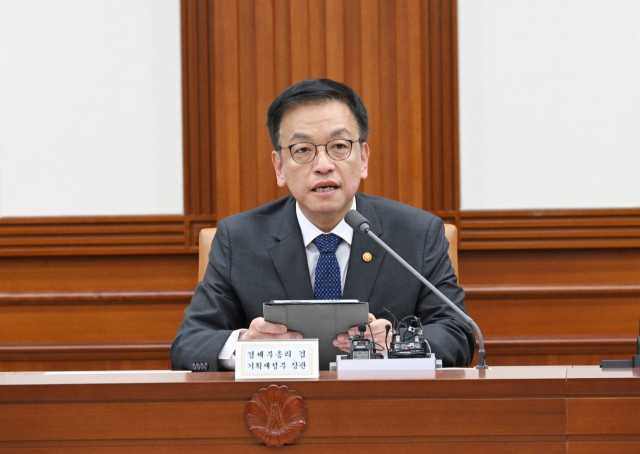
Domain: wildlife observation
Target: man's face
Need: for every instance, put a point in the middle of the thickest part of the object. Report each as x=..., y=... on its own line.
x=324, y=188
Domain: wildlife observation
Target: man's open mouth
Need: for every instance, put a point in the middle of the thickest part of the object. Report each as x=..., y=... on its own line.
x=325, y=188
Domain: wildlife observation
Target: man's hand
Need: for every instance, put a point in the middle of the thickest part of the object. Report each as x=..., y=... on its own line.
x=261, y=329
x=379, y=332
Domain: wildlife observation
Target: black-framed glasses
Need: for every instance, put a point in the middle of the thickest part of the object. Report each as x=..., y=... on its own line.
x=337, y=149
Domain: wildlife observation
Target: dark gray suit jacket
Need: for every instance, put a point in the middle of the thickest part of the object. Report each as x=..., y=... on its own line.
x=258, y=255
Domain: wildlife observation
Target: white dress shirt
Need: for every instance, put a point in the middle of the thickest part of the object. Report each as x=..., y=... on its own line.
x=310, y=232
x=227, y=355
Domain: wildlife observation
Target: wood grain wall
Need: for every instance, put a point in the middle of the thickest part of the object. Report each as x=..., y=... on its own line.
x=241, y=53
x=546, y=287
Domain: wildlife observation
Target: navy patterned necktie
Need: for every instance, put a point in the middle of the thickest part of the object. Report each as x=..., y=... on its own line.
x=327, y=283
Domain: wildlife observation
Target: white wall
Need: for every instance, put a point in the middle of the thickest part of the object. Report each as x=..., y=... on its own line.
x=90, y=107
x=549, y=103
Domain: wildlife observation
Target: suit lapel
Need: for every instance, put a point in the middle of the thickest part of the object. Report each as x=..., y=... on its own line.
x=361, y=275
x=289, y=256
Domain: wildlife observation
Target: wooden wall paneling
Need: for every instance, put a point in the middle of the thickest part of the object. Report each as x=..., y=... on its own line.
x=452, y=161
x=316, y=25
x=188, y=34
x=353, y=39
x=409, y=106
x=197, y=66
x=247, y=71
x=567, y=306
x=598, y=447
x=550, y=229
x=435, y=99
x=338, y=39
x=428, y=110
x=371, y=94
x=283, y=58
x=334, y=36
x=265, y=91
x=388, y=100
x=227, y=108
x=299, y=26
x=448, y=42
x=441, y=185
x=533, y=353
x=91, y=235
x=563, y=351
x=588, y=312
x=84, y=318
x=92, y=312
x=550, y=268
x=198, y=120
x=88, y=330
x=257, y=70
x=62, y=357
x=98, y=274
x=282, y=45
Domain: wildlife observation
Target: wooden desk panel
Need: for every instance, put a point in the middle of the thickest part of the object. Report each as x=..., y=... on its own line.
x=506, y=409
x=502, y=410
x=603, y=410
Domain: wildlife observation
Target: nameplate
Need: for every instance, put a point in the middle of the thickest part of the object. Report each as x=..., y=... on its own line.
x=395, y=364
x=278, y=358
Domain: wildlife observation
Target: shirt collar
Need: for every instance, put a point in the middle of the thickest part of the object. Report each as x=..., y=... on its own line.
x=310, y=231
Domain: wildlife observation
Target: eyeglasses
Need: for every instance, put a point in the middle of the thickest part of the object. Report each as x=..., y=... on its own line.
x=338, y=150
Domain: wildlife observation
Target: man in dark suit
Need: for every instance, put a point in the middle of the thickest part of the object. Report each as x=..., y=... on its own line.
x=319, y=130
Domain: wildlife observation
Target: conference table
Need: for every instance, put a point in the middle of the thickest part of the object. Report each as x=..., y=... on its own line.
x=549, y=409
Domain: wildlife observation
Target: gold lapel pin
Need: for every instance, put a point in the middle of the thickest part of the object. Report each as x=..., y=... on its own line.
x=367, y=256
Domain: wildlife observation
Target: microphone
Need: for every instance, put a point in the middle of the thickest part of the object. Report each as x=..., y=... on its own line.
x=360, y=224
x=357, y=221
x=387, y=328
x=415, y=327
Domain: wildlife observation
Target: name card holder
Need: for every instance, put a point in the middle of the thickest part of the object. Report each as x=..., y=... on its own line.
x=277, y=359
x=395, y=364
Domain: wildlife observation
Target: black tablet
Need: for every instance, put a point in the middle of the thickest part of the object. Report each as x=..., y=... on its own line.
x=318, y=319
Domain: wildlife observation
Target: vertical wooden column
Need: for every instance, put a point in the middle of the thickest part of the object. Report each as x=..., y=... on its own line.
x=199, y=128
x=399, y=56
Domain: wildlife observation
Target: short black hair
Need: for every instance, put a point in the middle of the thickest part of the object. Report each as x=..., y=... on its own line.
x=314, y=91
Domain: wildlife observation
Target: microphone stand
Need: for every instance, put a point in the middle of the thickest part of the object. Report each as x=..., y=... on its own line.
x=361, y=225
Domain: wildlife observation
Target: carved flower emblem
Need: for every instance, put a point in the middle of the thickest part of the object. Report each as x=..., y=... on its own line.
x=276, y=415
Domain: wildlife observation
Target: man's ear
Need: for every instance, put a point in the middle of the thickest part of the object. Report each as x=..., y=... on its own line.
x=364, y=161
x=277, y=165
